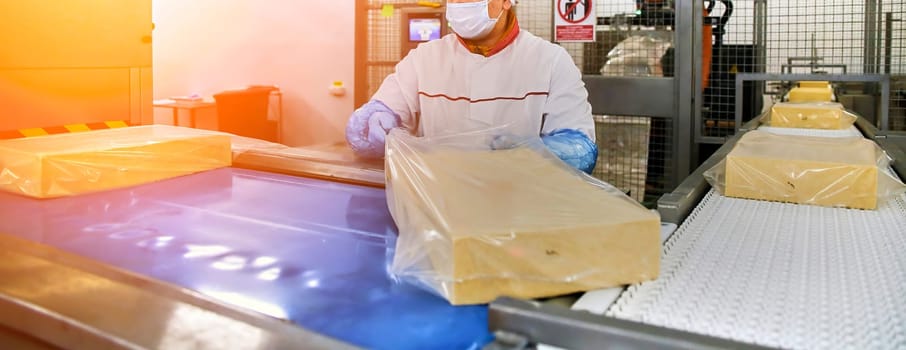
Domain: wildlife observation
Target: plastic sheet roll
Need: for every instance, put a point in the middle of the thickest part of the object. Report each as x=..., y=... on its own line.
x=811, y=115
x=71, y=164
x=476, y=224
x=831, y=172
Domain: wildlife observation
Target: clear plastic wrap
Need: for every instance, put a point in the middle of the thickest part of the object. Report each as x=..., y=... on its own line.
x=831, y=172
x=809, y=115
x=330, y=161
x=475, y=223
x=71, y=164
x=638, y=55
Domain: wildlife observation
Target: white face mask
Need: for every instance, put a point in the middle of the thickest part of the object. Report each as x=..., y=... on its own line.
x=470, y=19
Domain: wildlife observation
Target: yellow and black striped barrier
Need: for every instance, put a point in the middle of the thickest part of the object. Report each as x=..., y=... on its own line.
x=32, y=132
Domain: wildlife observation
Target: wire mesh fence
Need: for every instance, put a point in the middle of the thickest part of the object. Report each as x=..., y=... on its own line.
x=632, y=155
x=894, y=59
x=823, y=37
x=635, y=151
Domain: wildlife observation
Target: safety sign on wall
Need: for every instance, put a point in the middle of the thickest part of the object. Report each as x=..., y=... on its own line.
x=574, y=20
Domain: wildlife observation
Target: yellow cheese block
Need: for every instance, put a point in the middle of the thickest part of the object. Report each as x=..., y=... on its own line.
x=814, y=115
x=811, y=94
x=478, y=225
x=833, y=172
x=70, y=164
x=814, y=84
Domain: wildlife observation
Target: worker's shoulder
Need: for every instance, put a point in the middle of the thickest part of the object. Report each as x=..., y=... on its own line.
x=445, y=44
x=528, y=43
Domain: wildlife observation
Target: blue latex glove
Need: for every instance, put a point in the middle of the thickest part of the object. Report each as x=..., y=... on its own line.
x=368, y=127
x=573, y=147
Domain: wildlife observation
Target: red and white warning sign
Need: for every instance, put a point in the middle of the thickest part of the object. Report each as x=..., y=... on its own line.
x=574, y=20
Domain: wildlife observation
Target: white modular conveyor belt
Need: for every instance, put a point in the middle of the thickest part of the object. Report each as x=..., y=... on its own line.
x=781, y=275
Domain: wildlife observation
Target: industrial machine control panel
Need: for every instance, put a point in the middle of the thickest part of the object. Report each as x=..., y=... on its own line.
x=420, y=25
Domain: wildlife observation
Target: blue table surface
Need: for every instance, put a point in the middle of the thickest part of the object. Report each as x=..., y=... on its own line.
x=311, y=251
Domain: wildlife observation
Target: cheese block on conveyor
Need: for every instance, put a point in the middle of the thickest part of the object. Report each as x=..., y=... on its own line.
x=71, y=164
x=812, y=115
x=814, y=84
x=811, y=94
x=478, y=224
x=832, y=172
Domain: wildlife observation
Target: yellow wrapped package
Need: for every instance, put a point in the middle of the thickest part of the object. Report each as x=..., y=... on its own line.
x=814, y=84
x=70, y=164
x=832, y=172
x=475, y=224
x=810, y=115
x=811, y=94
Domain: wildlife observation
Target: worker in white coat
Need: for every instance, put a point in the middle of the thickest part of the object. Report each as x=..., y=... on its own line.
x=489, y=73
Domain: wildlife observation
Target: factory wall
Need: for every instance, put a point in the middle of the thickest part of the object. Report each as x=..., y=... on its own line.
x=206, y=46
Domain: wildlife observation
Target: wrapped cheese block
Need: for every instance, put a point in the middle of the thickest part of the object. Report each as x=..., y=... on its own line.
x=476, y=224
x=814, y=84
x=70, y=164
x=811, y=94
x=833, y=172
x=811, y=115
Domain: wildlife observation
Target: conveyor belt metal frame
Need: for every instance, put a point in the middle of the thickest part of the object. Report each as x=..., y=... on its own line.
x=676, y=205
x=518, y=323
x=139, y=312
x=892, y=143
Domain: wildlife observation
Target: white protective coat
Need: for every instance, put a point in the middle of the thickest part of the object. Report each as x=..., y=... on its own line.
x=532, y=86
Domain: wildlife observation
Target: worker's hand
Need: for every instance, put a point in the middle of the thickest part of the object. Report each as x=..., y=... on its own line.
x=368, y=127
x=573, y=147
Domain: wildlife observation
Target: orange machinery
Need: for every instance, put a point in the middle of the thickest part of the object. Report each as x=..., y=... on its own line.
x=86, y=62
